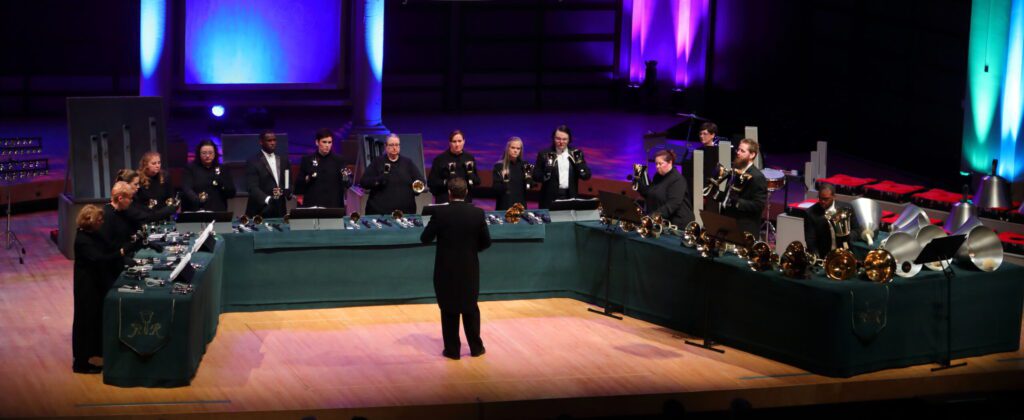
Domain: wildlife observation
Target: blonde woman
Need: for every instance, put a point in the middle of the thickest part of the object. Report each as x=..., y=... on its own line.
x=97, y=263
x=154, y=184
x=512, y=176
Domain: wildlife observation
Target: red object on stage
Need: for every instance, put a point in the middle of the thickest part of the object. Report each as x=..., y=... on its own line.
x=1012, y=242
x=888, y=218
x=800, y=208
x=891, y=191
x=936, y=198
x=846, y=184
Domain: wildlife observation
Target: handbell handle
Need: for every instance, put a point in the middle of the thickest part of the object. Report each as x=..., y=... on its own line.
x=995, y=165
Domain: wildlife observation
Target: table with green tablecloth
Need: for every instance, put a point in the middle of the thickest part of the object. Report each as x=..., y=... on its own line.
x=157, y=338
x=826, y=327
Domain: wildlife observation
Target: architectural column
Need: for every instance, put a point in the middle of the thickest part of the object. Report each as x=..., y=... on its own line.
x=367, y=68
x=155, y=48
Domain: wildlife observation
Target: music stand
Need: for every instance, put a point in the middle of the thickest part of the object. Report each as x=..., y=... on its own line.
x=622, y=209
x=574, y=209
x=941, y=250
x=196, y=221
x=615, y=206
x=316, y=218
x=723, y=228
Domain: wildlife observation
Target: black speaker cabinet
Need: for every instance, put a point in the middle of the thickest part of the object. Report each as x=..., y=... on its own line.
x=107, y=134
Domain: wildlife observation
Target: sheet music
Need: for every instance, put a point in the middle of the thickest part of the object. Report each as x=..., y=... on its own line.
x=181, y=266
x=202, y=237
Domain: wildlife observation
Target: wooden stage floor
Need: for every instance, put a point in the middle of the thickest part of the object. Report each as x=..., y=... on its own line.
x=544, y=358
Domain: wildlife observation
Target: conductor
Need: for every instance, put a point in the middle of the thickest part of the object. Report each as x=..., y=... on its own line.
x=461, y=233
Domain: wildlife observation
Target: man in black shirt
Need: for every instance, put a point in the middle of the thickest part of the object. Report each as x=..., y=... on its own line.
x=267, y=179
x=389, y=179
x=747, y=189
x=452, y=163
x=818, y=232
x=461, y=234
x=323, y=177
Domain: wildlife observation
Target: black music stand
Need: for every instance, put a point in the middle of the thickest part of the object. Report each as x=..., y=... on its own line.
x=576, y=204
x=204, y=216
x=723, y=228
x=430, y=209
x=623, y=209
x=939, y=250
x=316, y=213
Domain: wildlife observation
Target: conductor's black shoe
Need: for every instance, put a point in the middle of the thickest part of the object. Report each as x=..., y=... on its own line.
x=453, y=356
x=478, y=353
x=87, y=368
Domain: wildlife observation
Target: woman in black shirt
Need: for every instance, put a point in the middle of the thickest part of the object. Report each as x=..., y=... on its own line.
x=205, y=185
x=512, y=176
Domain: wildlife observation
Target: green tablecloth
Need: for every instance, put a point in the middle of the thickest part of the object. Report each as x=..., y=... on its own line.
x=826, y=327
x=155, y=338
x=823, y=326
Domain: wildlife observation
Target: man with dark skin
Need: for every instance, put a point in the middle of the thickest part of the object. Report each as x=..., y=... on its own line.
x=267, y=179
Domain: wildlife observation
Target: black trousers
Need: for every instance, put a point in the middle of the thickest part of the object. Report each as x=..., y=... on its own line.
x=450, y=329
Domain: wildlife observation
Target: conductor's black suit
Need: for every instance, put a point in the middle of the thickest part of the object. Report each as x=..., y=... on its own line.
x=461, y=233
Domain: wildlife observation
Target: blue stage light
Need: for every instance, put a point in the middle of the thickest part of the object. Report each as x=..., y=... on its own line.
x=217, y=110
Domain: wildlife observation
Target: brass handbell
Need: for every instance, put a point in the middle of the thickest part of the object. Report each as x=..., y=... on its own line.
x=257, y=219
x=152, y=203
x=649, y=227
x=841, y=264
x=692, y=234
x=418, y=186
x=760, y=257
x=203, y=196
x=796, y=262
x=514, y=213
x=879, y=266
x=840, y=222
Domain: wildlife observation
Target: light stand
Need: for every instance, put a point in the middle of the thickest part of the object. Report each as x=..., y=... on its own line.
x=14, y=171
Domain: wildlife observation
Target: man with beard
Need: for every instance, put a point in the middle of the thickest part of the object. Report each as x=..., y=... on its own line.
x=747, y=189
x=267, y=179
x=323, y=177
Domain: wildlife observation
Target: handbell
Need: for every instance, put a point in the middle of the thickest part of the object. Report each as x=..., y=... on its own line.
x=691, y=234
x=203, y=196
x=879, y=266
x=982, y=250
x=993, y=191
x=418, y=186
x=841, y=264
x=911, y=219
x=904, y=249
x=960, y=213
x=761, y=257
x=869, y=215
